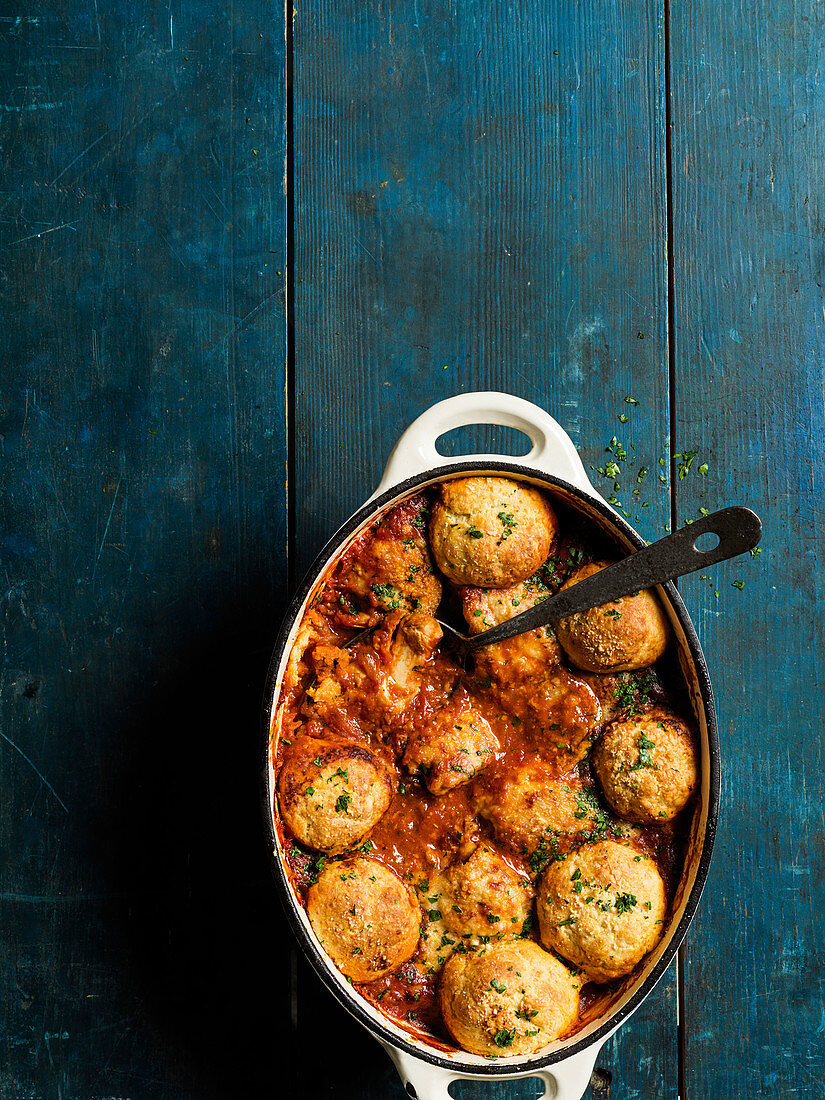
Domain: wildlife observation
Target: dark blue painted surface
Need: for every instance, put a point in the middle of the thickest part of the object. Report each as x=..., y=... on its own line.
x=750, y=261
x=480, y=201
x=143, y=429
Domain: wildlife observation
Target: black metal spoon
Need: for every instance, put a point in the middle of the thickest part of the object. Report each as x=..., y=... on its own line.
x=738, y=529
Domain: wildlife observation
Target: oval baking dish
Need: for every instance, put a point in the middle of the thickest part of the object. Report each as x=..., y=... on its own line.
x=553, y=464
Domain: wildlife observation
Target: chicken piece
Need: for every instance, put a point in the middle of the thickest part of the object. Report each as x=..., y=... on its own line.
x=534, y=809
x=527, y=654
x=484, y=896
x=342, y=699
x=559, y=710
x=390, y=568
x=453, y=745
x=528, y=681
x=373, y=683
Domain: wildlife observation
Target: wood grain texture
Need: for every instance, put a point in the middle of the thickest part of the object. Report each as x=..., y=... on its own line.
x=749, y=173
x=479, y=205
x=143, y=431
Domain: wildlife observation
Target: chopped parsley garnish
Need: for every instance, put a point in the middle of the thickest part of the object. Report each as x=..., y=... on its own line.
x=645, y=759
x=562, y=923
x=508, y=523
x=342, y=803
x=474, y=533
x=634, y=691
x=504, y=1038
x=420, y=521
x=625, y=902
x=498, y=986
x=587, y=804
x=390, y=597
x=526, y=1014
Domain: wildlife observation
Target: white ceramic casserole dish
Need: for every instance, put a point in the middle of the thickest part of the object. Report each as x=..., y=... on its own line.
x=552, y=464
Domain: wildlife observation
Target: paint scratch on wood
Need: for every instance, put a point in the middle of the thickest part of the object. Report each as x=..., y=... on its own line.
x=36, y=770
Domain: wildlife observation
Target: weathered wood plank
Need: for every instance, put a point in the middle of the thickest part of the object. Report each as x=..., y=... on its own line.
x=479, y=204
x=748, y=180
x=143, y=544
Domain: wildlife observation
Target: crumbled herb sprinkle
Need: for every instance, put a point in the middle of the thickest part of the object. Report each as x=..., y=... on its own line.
x=625, y=902
x=645, y=759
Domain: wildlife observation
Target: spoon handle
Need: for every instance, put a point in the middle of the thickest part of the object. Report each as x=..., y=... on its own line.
x=738, y=530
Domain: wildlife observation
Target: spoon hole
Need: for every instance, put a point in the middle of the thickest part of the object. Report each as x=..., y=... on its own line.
x=708, y=540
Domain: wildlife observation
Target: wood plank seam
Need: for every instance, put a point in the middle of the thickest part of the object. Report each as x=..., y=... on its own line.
x=672, y=376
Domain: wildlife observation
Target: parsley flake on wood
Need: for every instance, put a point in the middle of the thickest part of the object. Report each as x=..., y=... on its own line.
x=685, y=463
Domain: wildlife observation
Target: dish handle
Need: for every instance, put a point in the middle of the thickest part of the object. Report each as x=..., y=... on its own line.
x=567, y=1080
x=552, y=451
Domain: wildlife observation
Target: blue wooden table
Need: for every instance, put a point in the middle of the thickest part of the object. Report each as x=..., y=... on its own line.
x=239, y=254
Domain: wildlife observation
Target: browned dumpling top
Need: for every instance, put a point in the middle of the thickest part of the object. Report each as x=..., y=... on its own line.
x=627, y=634
x=490, y=531
x=510, y=999
x=332, y=793
x=485, y=896
x=602, y=908
x=647, y=766
x=366, y=918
